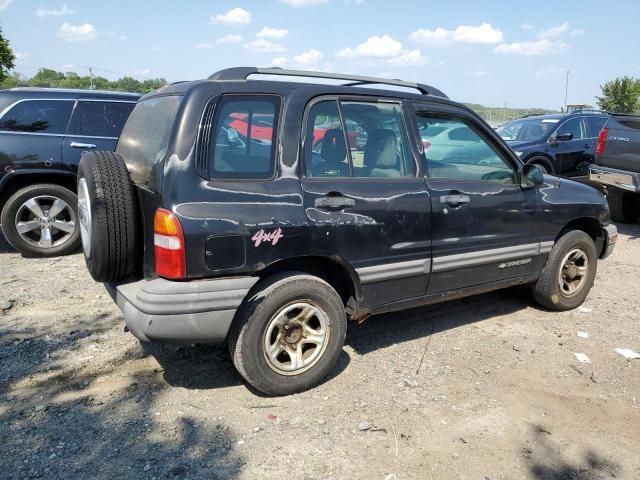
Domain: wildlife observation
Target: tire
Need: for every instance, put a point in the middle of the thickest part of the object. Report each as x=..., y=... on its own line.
x=32, y=227
x=548, y=292
x=622, y=205
x=108, y=212
x=255, y=326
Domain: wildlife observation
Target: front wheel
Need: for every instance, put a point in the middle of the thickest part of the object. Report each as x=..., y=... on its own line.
x=568, y=275
x=42, y=220
x=289, y=334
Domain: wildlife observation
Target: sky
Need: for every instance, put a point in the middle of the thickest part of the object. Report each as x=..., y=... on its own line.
x=488, y=52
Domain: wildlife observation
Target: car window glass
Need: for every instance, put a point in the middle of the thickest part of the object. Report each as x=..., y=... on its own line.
x=377, y=139
x=325, y=145
x=573, y=126
x=99, y=119
x=145, y=136
x=38, y=116
x=453, y=148
x=594, y=125
x=244, y=137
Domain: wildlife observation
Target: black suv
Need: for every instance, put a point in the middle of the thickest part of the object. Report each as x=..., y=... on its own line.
x=43, y=133
x=561, y=144
x=241, y=209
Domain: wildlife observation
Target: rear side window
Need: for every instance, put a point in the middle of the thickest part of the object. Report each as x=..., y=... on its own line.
x=244, y=137
x=594, y=125
x=38, y=116
x=145, y=136
x=99, y=119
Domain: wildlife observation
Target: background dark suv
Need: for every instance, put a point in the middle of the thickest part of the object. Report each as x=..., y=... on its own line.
x=561, y=144
x=43, y=133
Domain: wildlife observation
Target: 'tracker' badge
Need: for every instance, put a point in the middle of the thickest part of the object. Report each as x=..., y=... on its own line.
x=262, y=236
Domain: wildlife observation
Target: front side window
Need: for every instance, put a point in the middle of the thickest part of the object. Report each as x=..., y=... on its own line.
x=99, y=119
x=38, y=116
x=244, y=138
x=574, y=126
x=357, y=139
x=454, y=148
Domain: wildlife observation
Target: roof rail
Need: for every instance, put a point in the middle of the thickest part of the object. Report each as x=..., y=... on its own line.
x=242, y=73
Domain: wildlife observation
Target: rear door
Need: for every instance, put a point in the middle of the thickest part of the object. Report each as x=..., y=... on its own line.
x=483, y=222
x=364, y=196
x=95, y=125
x=573, y=156
x=31, y=133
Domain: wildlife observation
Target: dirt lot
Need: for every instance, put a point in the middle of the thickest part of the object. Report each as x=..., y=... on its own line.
x=496, y=396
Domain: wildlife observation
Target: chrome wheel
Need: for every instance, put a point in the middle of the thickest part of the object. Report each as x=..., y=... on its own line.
x=296, y=337
x=45, y=221
x=84, y=212
x=573, y=274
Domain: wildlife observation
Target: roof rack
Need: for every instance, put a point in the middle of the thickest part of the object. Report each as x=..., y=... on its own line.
x=242, y=73
x=70, y=90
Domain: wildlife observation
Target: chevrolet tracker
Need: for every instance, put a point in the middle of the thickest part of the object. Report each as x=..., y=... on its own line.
x=263, y=212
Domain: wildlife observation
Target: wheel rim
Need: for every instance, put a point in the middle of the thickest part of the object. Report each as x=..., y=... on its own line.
x=296, y=338
x=45, y=221
x=573, y=274
x=84, y=212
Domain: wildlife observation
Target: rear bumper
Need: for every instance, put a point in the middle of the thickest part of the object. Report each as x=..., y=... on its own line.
x=610, y=239
x=613, y=177
x=200, y=311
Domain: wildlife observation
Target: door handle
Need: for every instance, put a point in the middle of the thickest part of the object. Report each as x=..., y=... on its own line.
x=82, y=145
x=455, y=200
x=334, y=202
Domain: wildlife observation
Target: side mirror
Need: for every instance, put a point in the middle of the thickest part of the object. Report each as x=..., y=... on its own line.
x=564, y=137
x=531, y=176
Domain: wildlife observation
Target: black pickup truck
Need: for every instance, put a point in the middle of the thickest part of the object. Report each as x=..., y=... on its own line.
x=617, y=166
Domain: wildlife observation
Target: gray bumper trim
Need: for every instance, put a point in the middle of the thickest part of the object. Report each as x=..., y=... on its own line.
x=629, y=181
x=611, y=237
x=181, y=312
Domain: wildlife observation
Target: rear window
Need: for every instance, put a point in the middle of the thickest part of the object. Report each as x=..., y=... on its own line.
x=244, y=137
x=99, y=118
x=38, y=116
x=145, y=136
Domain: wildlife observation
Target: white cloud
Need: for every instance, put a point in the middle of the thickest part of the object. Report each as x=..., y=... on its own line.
x=310, y=57
x=303, y=3
x=264, y=46
x=268, y=32
x=476, y=73
x=123, y=37
x=527, y=26
x=237, y=16
x=279, y=62
x=142, y=73
x=203, y=46
x=60, y=12
x=410, y=57
x=537, y=47
x=79, y=33
x=577, y=31
x=483, y=33
x=21, y=55
x=554, y=31
x=440, y=63
x=68, y=66
x=375, y=46
x=5, y=3
x=231, y=38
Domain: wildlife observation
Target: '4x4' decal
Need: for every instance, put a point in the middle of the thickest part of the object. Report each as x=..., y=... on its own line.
x=262, y=236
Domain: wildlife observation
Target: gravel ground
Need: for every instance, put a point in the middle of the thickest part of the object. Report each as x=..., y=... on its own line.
x=498, y=395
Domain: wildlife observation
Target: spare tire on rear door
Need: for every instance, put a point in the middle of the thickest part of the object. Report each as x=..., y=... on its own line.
x=108, y=211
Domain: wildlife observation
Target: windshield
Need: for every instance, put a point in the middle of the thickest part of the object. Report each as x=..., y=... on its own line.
x=527, y=130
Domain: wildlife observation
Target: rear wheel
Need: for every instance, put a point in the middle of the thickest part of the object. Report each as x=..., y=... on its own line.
x=624, y=206
x=289, y=334
x=568, y=275
x=42, y=220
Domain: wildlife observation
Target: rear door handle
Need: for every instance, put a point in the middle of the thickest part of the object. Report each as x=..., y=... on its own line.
x=334, y=202
x=82, y=145
x=455, y=200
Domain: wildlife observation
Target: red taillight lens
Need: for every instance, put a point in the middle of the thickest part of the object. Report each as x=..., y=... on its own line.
x=602, y=140
x=168, y=241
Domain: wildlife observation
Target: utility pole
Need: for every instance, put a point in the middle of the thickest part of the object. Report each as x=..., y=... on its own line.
x=91, y=75
x=504, y=112
x=566, y=91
